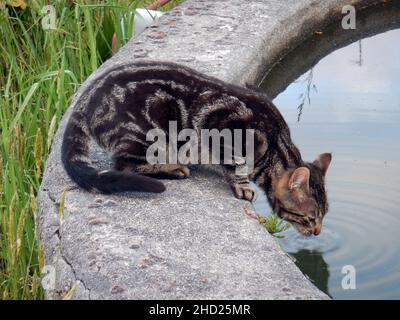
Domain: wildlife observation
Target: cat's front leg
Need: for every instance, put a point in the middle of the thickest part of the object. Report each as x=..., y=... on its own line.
x=240, y=184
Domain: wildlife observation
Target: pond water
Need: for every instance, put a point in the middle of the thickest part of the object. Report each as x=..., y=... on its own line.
x=353, y=112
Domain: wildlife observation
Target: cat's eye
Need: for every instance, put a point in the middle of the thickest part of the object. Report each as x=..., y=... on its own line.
x=315, y=215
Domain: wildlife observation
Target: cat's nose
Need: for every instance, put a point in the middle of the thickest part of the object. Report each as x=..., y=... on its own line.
x=317, y=228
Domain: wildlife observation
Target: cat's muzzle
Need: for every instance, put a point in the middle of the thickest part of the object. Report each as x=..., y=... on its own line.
x=300, y=221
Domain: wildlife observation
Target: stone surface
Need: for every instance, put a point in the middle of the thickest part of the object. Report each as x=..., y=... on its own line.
x=194, y=240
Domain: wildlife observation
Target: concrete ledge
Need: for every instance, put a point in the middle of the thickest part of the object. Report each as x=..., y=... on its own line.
x=194, y=241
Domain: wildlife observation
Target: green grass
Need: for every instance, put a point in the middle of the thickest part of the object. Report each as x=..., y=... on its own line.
x=274, y=225
x=39, y=72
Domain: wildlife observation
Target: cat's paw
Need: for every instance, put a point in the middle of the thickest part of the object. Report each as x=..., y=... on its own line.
x=172, y=171
x=164, y=171
x=180, y=172
x=245, y=192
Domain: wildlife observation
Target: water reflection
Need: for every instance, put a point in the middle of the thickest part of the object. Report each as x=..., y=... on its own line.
x=313, y=265
x=351, y=108
x=370, y=22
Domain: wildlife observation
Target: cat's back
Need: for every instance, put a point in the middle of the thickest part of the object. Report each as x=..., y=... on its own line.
x=141, y=83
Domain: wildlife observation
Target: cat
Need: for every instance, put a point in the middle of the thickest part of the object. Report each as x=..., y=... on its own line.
x=120, y=107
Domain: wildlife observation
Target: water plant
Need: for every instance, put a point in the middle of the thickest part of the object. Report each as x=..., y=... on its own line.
x=306, y=96
x=272, y=223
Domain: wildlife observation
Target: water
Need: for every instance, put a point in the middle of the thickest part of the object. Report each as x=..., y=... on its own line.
x=354, y=112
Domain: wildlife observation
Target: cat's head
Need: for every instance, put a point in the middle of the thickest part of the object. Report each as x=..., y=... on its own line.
x=300, y=196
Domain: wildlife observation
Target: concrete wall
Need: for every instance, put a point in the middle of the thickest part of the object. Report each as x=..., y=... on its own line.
x=195, y=240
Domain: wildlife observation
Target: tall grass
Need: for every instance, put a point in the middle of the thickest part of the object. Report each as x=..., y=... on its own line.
x=39, y=72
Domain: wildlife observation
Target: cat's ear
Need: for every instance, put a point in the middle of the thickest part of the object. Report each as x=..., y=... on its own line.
x=323, y=161
x=300, y=179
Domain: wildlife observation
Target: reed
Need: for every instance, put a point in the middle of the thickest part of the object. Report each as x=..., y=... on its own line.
x=40, y=69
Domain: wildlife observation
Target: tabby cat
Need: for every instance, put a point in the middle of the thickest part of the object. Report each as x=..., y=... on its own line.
x=123, y=105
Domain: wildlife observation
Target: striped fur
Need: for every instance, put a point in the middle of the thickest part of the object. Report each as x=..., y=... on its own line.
x=121, y=107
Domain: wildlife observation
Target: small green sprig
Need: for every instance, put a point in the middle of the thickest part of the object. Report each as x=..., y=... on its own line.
x=272, y=223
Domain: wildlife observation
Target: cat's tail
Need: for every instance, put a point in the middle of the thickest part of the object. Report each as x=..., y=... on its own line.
x=75, y=158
